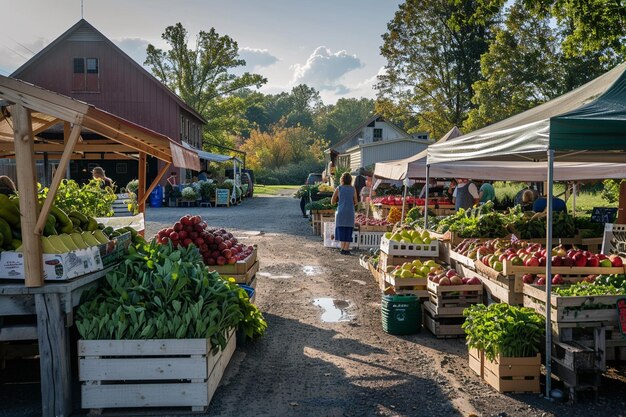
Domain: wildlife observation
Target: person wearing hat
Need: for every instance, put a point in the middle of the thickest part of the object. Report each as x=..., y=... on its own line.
x=98, y=174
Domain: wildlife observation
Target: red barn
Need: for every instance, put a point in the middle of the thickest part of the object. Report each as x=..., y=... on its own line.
x=83, y=64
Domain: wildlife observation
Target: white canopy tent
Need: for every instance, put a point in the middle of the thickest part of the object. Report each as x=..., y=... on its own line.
x=587, y=124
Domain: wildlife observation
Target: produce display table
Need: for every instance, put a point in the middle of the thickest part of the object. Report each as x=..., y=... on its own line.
x=53, y=304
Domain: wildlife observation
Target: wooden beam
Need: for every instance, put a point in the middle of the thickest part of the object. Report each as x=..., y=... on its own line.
x=153, y=185
x=46, y=126
x=26, y=181
x=80, y=157
x=80, y=147
x=58, y=176
x=141, y=190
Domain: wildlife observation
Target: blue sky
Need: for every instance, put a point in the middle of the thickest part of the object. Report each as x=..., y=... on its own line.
x=330, y=45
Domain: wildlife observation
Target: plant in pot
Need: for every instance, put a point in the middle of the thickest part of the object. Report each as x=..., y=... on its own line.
x=207, y=190
x=501, y=336
x=189, y=194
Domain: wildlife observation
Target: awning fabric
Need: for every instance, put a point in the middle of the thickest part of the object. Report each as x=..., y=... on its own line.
x=208, y=156
x=49, y=108
x=591, y=117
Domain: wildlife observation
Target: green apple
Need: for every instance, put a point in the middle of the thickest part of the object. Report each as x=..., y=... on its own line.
x=396, y=237
x=425, y=269
x=430, y=262
x=497, y=265
x=388, y=235
x=606, y=263
x=417, y=262
x=426, y=240
x=417, y=241
x=406, y=274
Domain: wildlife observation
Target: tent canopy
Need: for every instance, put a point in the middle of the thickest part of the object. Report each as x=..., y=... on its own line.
x=591, y=117
x=211, y=157
x=49, y=108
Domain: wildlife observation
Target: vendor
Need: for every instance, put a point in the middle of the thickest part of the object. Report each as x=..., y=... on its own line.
x=359, y=182
x=98, y=174
x=528, y=198
x=434, y=190
x=541, y=204
x=486, y=192
x=465, y=194
x=366, y=192
x=203, y=176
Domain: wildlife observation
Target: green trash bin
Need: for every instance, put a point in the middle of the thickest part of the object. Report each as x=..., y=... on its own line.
x=401, y=314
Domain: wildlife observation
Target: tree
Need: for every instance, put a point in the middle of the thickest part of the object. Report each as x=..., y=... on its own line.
x=433, y=51
x=201, y=76
x=520, y=70
x=335, y=121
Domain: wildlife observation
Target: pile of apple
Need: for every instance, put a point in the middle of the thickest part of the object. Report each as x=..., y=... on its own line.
x=535, y=255
x=410, y=236
x=451, y=277
x=217, y=246
x=368, y=221
x=541, y=279
x=416, y=269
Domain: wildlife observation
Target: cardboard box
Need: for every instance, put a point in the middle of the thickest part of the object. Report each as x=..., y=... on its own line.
x=56, y=267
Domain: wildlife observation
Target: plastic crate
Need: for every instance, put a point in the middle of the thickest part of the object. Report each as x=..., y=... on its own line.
x=329, y=236
x=391, y=247
x=368, y=240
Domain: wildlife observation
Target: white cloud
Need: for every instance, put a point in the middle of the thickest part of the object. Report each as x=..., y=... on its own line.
x=134, y=47
x=257, y=58
x=324, y=70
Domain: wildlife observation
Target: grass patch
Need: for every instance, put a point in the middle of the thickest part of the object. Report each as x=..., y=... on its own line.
x=275, y=189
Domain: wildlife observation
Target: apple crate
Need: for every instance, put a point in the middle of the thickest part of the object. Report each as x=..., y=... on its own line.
x=391, y=247
x=461, y=260
x=442, y=327
x=509, y=375
x=499, y=287
x=238, y=268
x=477, y=361
x=385, y=260
x=375, y=228
x=329, y=236
x=150, y=373
x=405, y=286
x=451, y=300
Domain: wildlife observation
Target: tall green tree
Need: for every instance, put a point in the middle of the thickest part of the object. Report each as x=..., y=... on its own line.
x=337, y=120
x=433, y=51
x=202, y=76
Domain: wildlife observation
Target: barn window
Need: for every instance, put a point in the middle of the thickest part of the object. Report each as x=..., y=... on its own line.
x=378, y=135
x=92, y=65
x=79, y=65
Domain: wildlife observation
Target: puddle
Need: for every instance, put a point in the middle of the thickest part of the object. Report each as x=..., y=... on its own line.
x=311, y=270
x=334, y=310
x=252, y=233
x=269, y=275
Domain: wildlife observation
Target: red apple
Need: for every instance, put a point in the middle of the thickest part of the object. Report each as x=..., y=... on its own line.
x=593, y=262
x=221, y=260
x=616, y=261
x=541, y=281
x=558, y=280
x=580, y=260
x=451, y=273
x=527, y=279
x=187, y=242
x=532, y=261
x=556, y=261
x=182, y=235
x=174, y=236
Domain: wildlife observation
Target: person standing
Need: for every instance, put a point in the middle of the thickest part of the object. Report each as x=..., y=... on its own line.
x=7, y=186
x=486, y=193
x=345, y=196
x=98, y=174
x=465, y=194
x=359, y=182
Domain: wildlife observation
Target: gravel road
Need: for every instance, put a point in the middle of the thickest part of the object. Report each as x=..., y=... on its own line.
x=305, y=366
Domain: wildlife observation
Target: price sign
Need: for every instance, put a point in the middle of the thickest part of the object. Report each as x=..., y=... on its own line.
x=621, y=314
x=222, y=197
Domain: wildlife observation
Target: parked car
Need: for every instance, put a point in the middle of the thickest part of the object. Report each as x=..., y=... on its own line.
x=313, y=178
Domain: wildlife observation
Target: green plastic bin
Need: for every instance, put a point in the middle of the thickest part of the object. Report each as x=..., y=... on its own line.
x=401, y=314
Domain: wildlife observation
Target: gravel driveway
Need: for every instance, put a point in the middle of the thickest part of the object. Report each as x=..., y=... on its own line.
x=308, y=367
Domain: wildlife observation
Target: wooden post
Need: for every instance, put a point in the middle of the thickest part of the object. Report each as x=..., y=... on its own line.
x=26, y=182
x=141, y=190
x=54, y=356
x=154, y=184
x=66, y=134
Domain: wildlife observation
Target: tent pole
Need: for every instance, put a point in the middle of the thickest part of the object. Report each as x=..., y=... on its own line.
x=574, y=186
x=426, y=196
x=549, y=207
x=233, y=197
x=404, y=200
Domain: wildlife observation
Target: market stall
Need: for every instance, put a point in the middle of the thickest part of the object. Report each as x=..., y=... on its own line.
x=26, y=111
x=585, y=125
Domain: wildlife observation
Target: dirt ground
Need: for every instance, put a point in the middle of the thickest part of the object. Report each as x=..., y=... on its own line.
x=305, y=366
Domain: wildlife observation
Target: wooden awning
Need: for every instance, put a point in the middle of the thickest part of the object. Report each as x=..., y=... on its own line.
x=49, y=108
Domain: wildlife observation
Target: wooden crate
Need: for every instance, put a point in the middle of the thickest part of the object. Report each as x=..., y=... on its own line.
x=385, y=260
x=442, y=327
x=518, y=270
x=498, y=286
x=451, y=300
x=392, y=247
x=513, y=374
x=150, y=373
x=404, y=284
x=247, y=277
x=238, y=268
x=374, y=228
x=375, y=273
x=477, y=361
x=456, y=259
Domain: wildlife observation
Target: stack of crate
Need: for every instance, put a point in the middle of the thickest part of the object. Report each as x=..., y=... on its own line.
x=443, y=312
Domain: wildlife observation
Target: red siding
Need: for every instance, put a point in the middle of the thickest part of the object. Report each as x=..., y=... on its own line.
x=125, y=90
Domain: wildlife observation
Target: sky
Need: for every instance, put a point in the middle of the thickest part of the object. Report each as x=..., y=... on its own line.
x=331, y=45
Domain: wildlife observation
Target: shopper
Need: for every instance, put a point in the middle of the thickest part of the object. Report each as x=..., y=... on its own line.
x=98, y=174
x=528, y=198
x=7, y=186
x=541, y=204
x=359, y=182
x=465, y=194
x=345, y=196
x=486, y=193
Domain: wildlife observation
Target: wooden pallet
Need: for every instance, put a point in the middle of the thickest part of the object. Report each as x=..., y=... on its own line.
x=575, y=365
x=150, y=373
x=442, y=327
x=513, y=375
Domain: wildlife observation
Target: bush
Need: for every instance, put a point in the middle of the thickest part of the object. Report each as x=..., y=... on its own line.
x=291, y=174
x=610, y=192
x=132, y=186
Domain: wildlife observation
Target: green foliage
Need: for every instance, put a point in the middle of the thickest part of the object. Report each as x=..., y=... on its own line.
x=160, y=292
x=504, y=330
x=584, y=288
x=189, y=194
x=323, y=204
x=306, y=191
x=333, y=122
x=90, y=199
x=207, y=189
x=290, y=174
x=132, y=186
x=610, y=192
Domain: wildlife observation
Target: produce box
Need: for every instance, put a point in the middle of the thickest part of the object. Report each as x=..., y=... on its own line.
x=579, y=310
x=498, y=286
x=115, y=250
x=513, y=374
x=461, y=259
x=442, y=327
x=391, y=247
x=405, y=286
x=375, y=273
x=246, y=277
x=477, y=361
x=385, y=260
x=451, y=300
x=369, y=239
x=150, y=373
x=375, y=228
x=510, y=269
x=56, y=267
x=238, y=268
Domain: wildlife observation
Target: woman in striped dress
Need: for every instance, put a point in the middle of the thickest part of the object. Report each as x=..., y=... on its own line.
x=345, y=196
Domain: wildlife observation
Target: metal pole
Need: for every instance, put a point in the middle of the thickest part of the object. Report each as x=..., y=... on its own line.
x=426, y=196
x=404, y=200
x=549, y=272
x=574, y=186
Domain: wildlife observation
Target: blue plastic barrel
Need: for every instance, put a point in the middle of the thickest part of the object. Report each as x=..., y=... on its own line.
x=156, y=196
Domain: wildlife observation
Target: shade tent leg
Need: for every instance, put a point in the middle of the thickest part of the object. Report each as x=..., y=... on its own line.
x=426, y=196
x=404, y=200
x=154, y=184
x=141, y=189
x=574, y=189
x=549, y=209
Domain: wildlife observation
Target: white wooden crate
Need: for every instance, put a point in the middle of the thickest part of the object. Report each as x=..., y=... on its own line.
x=369, y=240
x=150, y=373
x=329, y=236
x=391, y=247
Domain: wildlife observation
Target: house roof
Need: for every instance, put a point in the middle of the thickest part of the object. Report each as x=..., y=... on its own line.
x=49, y=108
x=82, y=23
